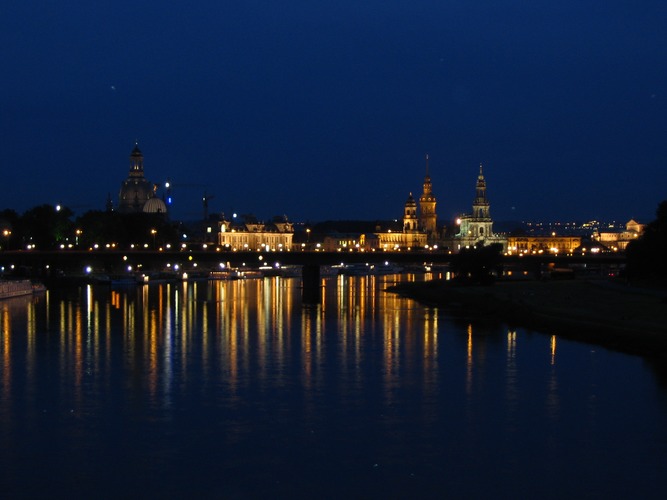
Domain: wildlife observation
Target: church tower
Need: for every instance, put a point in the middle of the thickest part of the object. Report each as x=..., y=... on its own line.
x=410, y=221
x=427, y=215
x=480, y=206
x=478, y=225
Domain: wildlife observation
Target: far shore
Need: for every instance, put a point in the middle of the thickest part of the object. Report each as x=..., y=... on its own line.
x=597, y=311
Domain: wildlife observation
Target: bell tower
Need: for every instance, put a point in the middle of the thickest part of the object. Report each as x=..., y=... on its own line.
x=480, y=206
x=410, y=221
x=427, y=202
x=478, y=225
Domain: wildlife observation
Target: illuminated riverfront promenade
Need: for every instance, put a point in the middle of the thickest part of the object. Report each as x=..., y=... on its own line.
x=118, y=261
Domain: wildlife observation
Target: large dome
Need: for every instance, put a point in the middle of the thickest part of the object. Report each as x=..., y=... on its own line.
x=134, y=193
x=155, y=206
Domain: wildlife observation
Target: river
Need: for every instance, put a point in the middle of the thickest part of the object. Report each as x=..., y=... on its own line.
x=235, y=389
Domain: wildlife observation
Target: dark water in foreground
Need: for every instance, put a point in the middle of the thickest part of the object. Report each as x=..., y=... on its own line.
x=235, y=389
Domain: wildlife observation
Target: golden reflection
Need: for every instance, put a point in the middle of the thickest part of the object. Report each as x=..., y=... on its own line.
x=232, y=333
x=6, y=353
x=511, y=378
x=31, y=328
x=306, y=345
x=552, y=344
x=511, y=344
x=153, y=355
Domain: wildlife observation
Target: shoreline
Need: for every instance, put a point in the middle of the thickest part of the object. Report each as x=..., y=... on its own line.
x=619, y=317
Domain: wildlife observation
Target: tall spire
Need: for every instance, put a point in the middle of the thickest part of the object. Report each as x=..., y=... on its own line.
x=481, y=203
x=427, y=217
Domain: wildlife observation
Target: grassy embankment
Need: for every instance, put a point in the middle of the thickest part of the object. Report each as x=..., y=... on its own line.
x=617, y=316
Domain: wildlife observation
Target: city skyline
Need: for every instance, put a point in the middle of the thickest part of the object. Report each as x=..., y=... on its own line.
x=326, y=111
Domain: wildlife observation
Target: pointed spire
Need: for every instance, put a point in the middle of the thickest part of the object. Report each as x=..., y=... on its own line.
x=481, y=174
x=426, y=164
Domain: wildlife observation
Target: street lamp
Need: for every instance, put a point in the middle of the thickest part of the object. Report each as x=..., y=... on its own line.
x=153, y=232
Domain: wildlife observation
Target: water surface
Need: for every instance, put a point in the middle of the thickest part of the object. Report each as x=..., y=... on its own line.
x=230, y=389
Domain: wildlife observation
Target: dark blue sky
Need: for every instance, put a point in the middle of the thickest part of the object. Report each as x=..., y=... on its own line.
x=325, y=109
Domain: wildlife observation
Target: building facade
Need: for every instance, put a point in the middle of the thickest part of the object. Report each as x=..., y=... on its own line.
x=413, y=237
x=275, y=236
x=618, y=241
x=542, y=244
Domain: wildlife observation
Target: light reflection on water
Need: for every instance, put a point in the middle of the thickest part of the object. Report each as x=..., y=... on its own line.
x=229, y=387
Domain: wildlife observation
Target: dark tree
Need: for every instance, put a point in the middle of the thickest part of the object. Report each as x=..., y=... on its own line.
x=478, y=265
x=102, y=228
x=9, y=236
x=45, y=226
x=647, y=256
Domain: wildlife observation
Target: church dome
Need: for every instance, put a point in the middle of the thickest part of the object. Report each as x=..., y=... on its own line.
x=136, y=190
x=134, y=193
x=155, y=206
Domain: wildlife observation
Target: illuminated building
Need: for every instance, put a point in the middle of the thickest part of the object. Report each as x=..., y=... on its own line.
x=137, y=194
x=254, y=235
x=419, y=223
x=476, y=228
x=412, y=237
x=619, y=240
x=542, y=244
x=345, y=242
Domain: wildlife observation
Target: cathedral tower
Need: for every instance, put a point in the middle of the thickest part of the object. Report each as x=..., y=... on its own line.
x=478, y=225
x=480, y=206
x=427, y=215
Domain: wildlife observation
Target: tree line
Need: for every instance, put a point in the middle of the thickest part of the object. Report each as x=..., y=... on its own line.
x=48, y=227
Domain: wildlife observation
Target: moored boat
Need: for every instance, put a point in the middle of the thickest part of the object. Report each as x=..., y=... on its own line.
x=18, y=288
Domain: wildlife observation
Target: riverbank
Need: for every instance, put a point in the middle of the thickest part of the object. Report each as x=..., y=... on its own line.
x=597, y=311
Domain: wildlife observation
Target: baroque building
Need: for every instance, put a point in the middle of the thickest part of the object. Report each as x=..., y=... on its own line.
x=138, y=194
x=616, y=240
x=419, y=222
x=476, y=228
x=412, y=237
x=253, y=235
x=543, y=244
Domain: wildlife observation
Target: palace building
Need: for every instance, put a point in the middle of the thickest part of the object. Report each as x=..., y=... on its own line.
x=543, y=244
x=275, y=236
x=619, y=240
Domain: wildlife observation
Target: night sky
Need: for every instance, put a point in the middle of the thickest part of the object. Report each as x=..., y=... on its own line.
x=323, y=109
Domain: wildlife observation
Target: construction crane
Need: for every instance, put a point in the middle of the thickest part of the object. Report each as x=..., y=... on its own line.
x=205, y=198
